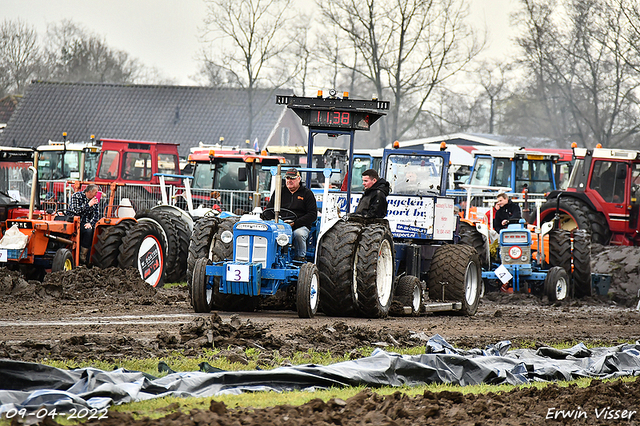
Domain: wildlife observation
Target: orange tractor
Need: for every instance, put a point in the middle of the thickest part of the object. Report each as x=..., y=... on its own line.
x=53, y=240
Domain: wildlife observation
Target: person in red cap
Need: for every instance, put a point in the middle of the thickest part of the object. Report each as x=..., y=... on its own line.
x=300, y=200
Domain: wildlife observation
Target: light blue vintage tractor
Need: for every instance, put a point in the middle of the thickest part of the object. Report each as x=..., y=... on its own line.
x=260, y=263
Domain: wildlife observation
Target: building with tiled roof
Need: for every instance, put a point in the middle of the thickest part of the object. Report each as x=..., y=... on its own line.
x=8, y=104
x=186, y=115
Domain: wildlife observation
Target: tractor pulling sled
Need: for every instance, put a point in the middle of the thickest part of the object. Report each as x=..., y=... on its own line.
x=354, y=266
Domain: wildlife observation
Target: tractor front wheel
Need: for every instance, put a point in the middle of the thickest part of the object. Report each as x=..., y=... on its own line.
x=307, y=295
x=409, y=293
x=201, y=292
x=62, y=260
x=556, y=285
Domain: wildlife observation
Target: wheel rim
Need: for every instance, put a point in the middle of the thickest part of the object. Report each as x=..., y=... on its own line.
x=561, y=288
x=313, y=292
x=471, y=283
x=68, y=265
x=567, y=222
x=354, y=283
x=416, y=299
x=384, y=277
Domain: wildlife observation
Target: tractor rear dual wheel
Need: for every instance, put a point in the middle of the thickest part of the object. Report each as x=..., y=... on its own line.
x=372, y=287
x=336, y=266
x=201, y=242
x=456, y=267
x=581, y=276
x=470, y=236
x=107, y=248
x=143, y=248
x=575, y=213
x=176, y=238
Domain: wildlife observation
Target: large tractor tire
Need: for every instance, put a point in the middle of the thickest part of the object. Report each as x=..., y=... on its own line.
x=372, y=289
x=62, y=260
x=458, y=266
x=176, y=239
x=336, y=266
x=581, y=276
x=556, y=284
x=201, y=295
x=143, y=248
x=307, y=296
x=470, y=236
x=107, y=248
x=575, y=213
x=560, y=249
x=201, y=242
x=408, y=293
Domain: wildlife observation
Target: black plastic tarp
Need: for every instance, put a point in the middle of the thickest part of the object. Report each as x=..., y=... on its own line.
x=32, y=386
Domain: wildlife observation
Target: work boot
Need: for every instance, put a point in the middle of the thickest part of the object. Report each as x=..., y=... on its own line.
x=506, y=289
x=84, y=253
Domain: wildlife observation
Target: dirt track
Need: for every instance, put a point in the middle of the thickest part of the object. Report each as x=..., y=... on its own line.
x=111, y=314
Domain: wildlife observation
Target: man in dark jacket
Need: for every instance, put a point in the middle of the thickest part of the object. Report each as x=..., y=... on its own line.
x=506, y=209
x=300, y=200
x=85, y=204
x=373, y=203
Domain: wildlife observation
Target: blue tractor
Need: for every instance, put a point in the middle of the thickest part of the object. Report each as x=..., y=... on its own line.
x=523, y=259
x=258, y=262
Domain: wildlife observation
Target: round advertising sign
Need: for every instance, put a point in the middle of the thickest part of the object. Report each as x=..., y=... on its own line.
x=150, y=260
x=515, y=252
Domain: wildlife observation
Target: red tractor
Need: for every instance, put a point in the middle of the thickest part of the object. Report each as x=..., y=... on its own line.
x=135, y=164
x=602, y=196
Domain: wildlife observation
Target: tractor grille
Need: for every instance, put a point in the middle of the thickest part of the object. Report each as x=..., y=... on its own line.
x=523, y=259
x=243, y=249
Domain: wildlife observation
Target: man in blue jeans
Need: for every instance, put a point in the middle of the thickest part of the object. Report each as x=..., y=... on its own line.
x=300, y=200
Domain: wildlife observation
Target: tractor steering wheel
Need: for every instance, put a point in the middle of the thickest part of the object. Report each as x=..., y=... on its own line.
x=290, y=215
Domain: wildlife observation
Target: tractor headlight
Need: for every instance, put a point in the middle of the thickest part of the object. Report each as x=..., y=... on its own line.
x=226, y=237
x=282, y=240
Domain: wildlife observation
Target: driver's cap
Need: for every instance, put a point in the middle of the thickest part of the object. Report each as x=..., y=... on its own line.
x=292, y=174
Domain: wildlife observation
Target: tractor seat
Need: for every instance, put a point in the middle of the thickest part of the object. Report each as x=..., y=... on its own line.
x=64, y=218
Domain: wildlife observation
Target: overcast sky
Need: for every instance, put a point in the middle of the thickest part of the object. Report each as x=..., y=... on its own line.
x=164, y=33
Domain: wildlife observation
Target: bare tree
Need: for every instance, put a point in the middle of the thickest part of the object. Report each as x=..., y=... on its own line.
x=251, y=41
x=493, y=78
x=20, y=58
x=407, y=48
x=581, y=68
x=76, y=55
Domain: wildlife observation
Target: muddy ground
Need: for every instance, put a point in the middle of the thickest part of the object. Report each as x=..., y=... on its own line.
x=112, y=314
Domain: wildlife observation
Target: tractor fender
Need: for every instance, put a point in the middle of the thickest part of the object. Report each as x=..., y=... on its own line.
x=553, y=195
x=184, y=216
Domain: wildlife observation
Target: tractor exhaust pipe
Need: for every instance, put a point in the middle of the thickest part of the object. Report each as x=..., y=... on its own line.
x=278, y=200
x=34, y=189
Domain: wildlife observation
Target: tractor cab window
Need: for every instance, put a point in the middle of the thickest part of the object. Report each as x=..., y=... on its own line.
x=360, y=164
x=15, y=183
x=137, y=166
x=414, y=175
x=110, y=164
x=167, y=163
x=229, y=177
x=52, y=167
x=635, y=184
x=536, y=175
x=481, y=174
x=502, y=172
x=576, y=173
x=608, y=180
x=90, y=165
